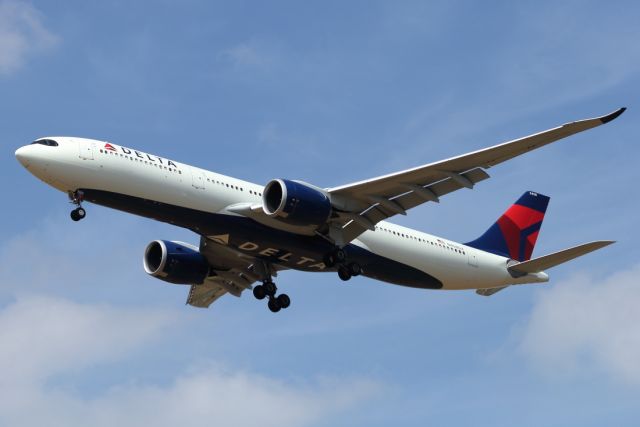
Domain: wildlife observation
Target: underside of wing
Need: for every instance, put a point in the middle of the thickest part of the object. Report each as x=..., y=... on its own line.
x=231, y=272
x=363, y=204
x=380, y=207
x=205, y=294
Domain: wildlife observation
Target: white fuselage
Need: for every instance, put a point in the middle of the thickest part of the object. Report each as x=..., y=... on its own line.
x=78, y=163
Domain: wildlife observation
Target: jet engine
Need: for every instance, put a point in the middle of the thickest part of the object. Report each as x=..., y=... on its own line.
x=175, y=262
x=296, y=203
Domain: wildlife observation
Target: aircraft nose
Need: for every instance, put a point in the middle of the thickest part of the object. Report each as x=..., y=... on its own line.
x=23, y=156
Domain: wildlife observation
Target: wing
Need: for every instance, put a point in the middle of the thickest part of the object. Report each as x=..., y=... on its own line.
x=234, y=273
x=365, y=203
x=205, y=294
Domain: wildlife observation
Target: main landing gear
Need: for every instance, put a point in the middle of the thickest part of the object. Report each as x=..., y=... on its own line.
x=76, y=198
x=269, y=289
x=346, y=269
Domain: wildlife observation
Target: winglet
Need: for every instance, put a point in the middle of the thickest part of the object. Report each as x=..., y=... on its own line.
x=612, y=116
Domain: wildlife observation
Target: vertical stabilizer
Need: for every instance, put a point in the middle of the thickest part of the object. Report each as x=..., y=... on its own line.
x=515, y=233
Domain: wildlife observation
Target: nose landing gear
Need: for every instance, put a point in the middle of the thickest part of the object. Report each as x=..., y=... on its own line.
x=76, y=198
x=78, y=213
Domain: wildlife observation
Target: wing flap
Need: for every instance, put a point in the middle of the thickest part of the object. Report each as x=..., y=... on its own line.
x=545, y=262
x=205, y=294
x=234, y=273
x=413, y=195
x=233, y=282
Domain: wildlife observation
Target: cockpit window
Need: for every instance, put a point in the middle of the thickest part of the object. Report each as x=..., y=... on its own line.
x=49, y=142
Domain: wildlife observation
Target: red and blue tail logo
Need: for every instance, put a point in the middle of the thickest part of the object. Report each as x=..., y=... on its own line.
x=515, y=233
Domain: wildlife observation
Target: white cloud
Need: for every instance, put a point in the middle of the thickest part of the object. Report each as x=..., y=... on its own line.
x=244, y=54
x=553, y=57
x=22, y=34
x=586, y=324
x=251, y=54
x=42, y=337
x=52, y=348
x=211, y=397
x=62, y=257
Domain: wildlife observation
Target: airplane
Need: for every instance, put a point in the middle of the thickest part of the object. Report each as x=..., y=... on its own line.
x=249, y=232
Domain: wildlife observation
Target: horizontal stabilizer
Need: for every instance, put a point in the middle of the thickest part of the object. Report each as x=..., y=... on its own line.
x=544, y=262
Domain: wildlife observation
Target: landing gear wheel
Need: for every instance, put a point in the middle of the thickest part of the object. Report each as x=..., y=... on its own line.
x=343, y=273
x=329, y=260
x=76, y=198
x=355, y=269
x=338, y=256
x=259, y=292
x=283, y=300
x=273, y=305
x=270, y=288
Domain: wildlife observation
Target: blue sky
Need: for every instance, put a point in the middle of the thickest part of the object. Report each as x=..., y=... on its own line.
x=327, y=92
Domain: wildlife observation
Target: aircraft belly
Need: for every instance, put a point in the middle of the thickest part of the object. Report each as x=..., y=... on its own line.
x=251, y=238
x=457, y=266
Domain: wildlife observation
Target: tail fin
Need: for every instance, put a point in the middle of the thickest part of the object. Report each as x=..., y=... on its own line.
x=515, y=233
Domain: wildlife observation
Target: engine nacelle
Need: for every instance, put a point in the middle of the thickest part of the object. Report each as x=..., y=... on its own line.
x=296, y=203
x=175, y=262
